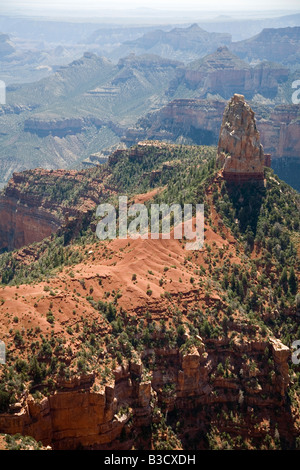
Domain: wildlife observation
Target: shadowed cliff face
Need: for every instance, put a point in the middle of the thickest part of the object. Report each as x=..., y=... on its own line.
x=288, y=169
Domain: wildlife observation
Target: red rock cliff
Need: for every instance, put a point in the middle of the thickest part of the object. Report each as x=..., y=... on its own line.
x=240, y=153
x=36, y=203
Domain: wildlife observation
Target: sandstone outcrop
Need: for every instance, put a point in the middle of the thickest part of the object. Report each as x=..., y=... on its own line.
x=61, y=127
x=32, y=207
x=78, y=416
x=22, y=224
x=280, y=131
x=58, y=127
x=240, y=153
x=15, y=109
x=200, y=121
x=195, y=377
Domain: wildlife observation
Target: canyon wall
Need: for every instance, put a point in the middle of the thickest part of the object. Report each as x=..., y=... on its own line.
x=61, y=127
x=200, y=121
x=224, y=74
x=6, y=46
x=23, y=219
x=280, y=132
x=22, y=225
x=274, y=44
x=36, y=203
x=27, y=217
x=78, y=416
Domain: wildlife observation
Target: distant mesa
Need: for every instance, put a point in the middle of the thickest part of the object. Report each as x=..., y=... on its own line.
x=240, y=153
x=6, y=46
x=222, y=73
x=272, y=44
x=184, y=44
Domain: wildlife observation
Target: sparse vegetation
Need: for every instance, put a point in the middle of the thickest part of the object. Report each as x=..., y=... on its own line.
x=231, y=296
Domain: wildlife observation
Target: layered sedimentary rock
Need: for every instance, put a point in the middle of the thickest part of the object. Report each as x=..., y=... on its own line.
x=280, y=131
x=240, y=153
x=22, y=224
x=15, y=109
x=32, y=207
x=278, y=44
x=77, y=416
x=58, y=127
x=194, y=380
x=61, y=127
x=223, y=73
x=200, y=121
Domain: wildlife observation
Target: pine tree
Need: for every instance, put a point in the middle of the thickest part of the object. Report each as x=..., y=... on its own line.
x=284, y=279
x=293, y=281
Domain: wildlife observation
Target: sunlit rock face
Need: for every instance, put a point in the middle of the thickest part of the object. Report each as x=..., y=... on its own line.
x=240, y=153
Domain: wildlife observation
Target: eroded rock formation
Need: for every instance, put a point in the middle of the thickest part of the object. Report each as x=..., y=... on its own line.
x=275, y=44
x=200, y=121
x=223, y=73
x=32, y=207
x=280, y=131
x=240, y=153
x=78, y=416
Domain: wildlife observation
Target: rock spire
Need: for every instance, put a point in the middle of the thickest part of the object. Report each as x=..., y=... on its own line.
x=240, y=153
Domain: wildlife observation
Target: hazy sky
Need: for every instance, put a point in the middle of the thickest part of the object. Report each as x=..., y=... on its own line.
x=207, y=5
